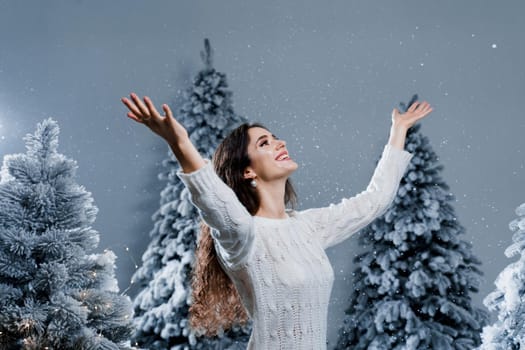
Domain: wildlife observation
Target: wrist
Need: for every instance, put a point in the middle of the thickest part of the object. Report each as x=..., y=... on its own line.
x=187, y=155
x=397, y=136
x=179, y=143
x=399, y=128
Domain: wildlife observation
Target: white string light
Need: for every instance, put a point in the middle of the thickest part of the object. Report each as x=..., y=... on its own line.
x=126, y=248
x=133, y=260
x=131, y=257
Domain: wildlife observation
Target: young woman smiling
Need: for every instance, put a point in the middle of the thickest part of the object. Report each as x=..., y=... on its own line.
x=256, y=259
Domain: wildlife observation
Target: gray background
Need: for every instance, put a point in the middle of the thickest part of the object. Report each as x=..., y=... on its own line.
x=322, y=75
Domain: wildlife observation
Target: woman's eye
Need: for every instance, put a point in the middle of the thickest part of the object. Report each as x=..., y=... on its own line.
x=264, y=143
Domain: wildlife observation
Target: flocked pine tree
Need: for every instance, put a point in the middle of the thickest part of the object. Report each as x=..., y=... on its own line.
x=412, y=287
x=508, y=300
x=53, y=294
x=162, y=305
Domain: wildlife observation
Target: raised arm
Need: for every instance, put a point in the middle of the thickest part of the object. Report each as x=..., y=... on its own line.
x=232, y=225
x=167, y=127
x=337, y=222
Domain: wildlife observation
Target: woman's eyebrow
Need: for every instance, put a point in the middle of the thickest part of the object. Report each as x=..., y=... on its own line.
x=260, y=138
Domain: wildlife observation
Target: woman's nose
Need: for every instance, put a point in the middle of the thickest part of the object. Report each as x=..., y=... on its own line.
x=280, y=143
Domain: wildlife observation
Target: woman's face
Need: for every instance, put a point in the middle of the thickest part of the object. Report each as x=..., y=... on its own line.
x=269, y=157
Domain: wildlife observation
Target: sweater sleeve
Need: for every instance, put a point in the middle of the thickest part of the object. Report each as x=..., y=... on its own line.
x=231, y=223
x=337, y=222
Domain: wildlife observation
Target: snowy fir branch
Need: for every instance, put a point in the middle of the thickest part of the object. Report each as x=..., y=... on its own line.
x=53, y=294
x=413, y=284
x=508, y=300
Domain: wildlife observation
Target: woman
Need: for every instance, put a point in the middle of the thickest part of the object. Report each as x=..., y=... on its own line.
x=274, y=257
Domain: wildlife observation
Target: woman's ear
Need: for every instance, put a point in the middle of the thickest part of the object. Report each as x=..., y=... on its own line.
x=249, y=173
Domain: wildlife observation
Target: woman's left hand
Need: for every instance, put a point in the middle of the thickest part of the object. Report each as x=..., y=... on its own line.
x=415, y=112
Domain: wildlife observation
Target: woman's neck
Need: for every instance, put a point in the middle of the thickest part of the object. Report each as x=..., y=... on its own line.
x=271, y=197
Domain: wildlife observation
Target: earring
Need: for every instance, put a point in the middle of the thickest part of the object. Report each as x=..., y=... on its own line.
x=253, y=183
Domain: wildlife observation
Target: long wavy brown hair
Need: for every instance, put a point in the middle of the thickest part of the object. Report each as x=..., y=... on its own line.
x=216, y=305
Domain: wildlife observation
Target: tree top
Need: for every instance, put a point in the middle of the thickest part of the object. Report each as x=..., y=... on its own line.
x=45, y=139
x=207, y=54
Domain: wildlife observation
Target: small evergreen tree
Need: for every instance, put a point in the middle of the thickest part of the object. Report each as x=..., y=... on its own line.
x=412, y=288
x=53, y=295
x=162, y=305
x=508, y=300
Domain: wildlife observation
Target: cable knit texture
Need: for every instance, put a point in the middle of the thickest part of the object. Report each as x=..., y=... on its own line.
x=279, y=266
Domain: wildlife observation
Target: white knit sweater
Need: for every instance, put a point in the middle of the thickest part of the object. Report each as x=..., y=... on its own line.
x=279, y=266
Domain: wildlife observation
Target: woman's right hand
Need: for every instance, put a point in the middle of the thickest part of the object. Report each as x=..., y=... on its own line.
x=166, y=126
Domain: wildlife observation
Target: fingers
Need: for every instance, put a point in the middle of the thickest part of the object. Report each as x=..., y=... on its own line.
x=420, y=108
x=417, y=105
x=423, y=105
x=141, y=106
x=167, y=110
x=141, y=112
x=132, y=107
x=414, y=113
x=169, y=116
x=151, y=108
x=427, y=111
x=424, y=108
x=138, y=108
x=413, y=106
x=134, y=117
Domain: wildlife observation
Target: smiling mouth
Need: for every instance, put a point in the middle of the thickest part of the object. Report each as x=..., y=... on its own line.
x=283, y=156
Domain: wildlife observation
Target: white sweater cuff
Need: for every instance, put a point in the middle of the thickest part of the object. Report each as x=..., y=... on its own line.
x=396, y=154
x=200, y=180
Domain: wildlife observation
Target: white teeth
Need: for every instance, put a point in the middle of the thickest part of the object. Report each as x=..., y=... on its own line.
x=284, y=156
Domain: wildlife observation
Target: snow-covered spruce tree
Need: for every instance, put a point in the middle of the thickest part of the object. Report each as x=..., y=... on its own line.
x=162, y=305
x=508, y=300
x=53, y=295
x=412, y=287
